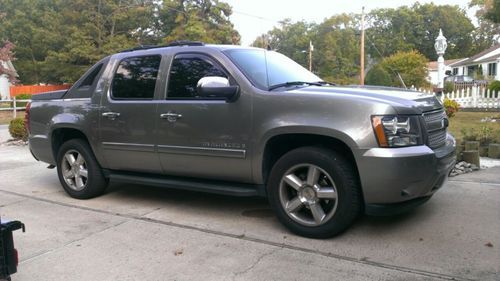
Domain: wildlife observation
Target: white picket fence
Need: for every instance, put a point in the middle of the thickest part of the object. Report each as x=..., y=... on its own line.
x=13, y=106
x=475, y=97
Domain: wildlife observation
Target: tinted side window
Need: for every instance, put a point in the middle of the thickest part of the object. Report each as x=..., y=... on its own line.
x=135, y=78
x=90, y=78
x=84, y=88
x=185, y=73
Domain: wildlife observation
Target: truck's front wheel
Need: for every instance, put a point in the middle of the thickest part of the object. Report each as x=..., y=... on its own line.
x=78, y=170
x=314, y=192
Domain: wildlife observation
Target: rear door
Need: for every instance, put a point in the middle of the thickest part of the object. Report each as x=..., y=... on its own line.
x=128, y=115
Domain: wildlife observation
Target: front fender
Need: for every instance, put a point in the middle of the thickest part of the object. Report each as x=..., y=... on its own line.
x=258, y=157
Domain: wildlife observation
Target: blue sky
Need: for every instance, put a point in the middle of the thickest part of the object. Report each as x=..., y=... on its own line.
x=254, y=17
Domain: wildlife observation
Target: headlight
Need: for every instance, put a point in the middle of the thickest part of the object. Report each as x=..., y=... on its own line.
x=397, y=130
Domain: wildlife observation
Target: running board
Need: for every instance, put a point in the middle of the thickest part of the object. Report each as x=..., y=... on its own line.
x=209, y=186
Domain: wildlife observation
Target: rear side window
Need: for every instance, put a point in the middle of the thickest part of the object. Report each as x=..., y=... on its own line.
x=135, y=78
x=88, y=81
x=85, y=88
x=186, y=71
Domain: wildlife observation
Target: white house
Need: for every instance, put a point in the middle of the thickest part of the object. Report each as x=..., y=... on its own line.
x=486, y=62
x=4, y=81
x=432, y=69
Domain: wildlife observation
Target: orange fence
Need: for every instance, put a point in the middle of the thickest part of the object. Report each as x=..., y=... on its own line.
x=35, y=89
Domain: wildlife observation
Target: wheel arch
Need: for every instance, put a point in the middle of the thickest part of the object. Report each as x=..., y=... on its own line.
x=61, y=135
x=279, y=144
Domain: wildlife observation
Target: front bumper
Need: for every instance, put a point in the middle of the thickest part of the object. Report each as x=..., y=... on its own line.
x=398, y=175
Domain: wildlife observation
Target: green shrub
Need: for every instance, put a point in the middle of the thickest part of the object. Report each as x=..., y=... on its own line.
x=494, y=88
x=451, y=107
x=22, y=97
x=448, y=87
x=17, y=129
x=378, y=76
x=484, y=136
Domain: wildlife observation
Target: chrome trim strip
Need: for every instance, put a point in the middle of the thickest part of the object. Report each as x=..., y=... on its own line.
x=206, y=151
x=39, y=137
x=76, y=99
x=70, y=99
x=411, y=151
x=129, y=146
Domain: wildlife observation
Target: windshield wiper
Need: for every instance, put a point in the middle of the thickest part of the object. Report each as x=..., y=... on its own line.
x=326, y=83
x=293, y=83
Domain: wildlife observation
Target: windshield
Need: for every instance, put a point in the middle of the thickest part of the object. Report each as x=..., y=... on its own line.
x=267, y=68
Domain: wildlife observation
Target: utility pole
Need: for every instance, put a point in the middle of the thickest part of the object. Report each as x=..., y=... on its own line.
x=362, y=74
x=311, y=48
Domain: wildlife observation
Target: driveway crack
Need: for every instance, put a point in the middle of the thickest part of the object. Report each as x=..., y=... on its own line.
x=257, y=261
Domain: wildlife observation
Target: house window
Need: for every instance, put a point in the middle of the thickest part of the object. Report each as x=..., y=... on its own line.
x=455, y=70
x=492, y=69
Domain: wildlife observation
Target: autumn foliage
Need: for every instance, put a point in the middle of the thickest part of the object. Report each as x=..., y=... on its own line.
x=6, y=54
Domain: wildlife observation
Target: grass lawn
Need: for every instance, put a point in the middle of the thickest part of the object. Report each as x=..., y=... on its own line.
x=471, y=123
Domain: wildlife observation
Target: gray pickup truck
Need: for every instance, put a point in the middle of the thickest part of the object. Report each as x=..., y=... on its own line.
x=244, y=122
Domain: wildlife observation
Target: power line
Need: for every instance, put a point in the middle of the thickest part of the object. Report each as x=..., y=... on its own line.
x=255, y=16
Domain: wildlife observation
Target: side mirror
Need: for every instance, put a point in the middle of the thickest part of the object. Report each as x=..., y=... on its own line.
x=217, y=88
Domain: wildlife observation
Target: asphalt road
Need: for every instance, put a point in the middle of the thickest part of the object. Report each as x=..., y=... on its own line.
x=144, y=233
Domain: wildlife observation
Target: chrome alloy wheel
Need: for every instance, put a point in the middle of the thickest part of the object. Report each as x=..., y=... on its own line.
x=308, y=195
x=74, y=170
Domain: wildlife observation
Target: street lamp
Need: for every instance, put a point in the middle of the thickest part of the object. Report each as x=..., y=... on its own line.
x=440, y=47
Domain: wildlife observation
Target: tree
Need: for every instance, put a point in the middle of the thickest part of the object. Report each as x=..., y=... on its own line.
x=57, y=40
x=494, y=13
x=416, y=28
x=7, y=55
x=378, y=76
x=336, y=50
x=412, y=66
x=488, y=31
x=338, y=56
x=290, y=38
x=198, y=20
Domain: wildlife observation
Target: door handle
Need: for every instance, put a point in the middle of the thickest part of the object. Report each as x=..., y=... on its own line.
x=111, y=115
x=171, y=116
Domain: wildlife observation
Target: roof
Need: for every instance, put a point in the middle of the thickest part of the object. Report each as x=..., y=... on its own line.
x=490, y=58
x=433, y=65
x=489, y=54
x=182, y=44
x=171, y=44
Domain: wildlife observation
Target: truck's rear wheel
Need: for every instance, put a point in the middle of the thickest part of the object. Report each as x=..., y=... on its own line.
x=78, y=170
x=314, y=192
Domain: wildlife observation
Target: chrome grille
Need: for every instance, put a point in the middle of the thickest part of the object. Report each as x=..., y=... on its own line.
x=436, y=132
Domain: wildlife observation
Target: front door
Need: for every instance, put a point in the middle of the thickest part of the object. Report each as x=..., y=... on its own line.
x=202, y=137
x=128, y=115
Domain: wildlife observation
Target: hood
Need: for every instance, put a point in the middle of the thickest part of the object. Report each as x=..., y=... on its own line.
x=403, y=101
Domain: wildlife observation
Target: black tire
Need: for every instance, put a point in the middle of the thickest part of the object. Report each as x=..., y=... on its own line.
x=340, y=212
x=95, y=183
